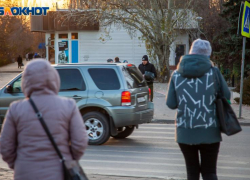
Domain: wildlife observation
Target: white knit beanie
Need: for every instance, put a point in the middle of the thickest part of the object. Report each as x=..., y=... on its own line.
x=200, y=46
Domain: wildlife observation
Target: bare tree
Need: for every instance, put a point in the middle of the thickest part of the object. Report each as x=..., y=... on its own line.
x=158, y=21
x=15, y=36
x=212, y=24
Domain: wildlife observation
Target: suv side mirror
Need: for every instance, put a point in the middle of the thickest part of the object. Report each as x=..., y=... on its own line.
x=9, y=89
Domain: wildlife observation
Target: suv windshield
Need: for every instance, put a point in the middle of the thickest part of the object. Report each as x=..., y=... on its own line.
x=133, y=76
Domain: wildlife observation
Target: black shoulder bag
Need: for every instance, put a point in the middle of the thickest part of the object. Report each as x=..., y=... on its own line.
x=72, y=169
x=149, y=76
x=227, y=118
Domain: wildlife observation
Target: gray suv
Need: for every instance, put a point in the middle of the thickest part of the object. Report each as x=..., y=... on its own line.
x=112, y=98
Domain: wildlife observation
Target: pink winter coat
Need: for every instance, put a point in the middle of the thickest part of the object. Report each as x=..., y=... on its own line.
x=24, y=144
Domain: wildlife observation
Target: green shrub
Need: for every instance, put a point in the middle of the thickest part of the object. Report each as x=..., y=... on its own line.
x=246, y=91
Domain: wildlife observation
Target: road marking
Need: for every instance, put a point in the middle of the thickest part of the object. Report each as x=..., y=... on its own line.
x=139, y=152
x=149, y=147
x=150, y=171
x=131, y=162
x=157, y=164
x=156, y=124
x=153, y=137
x=145, y=142
x=159, y=128
x=220, y=162
x=142, y=155
x=154, y=132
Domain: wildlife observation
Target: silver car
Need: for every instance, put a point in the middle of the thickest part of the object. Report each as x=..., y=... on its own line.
x=112, y=98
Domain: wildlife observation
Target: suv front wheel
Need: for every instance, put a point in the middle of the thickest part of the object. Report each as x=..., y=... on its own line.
x=124, y=132
x=97, y=127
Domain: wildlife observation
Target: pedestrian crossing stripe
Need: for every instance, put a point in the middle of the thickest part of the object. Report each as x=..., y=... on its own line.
x=151, y=158
x=117, y=163
x=245, y=30
x=166, y=173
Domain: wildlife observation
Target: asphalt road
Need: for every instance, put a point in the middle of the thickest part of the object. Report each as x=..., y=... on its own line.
x=152, y=152
x=6, y=77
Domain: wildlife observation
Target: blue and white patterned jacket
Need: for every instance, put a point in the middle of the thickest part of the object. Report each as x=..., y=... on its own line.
x=192, y=91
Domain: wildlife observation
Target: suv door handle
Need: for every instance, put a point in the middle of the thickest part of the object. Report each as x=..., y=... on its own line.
x=77, y=97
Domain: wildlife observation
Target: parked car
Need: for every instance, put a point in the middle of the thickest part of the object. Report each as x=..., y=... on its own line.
x=112, y=98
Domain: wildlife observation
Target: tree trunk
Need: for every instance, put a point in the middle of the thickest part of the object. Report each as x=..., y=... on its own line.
x=165, y=49
x=167, y=55
x=162, y=68
x=164, y=71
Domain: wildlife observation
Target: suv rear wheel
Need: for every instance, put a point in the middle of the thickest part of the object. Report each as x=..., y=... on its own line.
x=124, y=132
x=97, y=127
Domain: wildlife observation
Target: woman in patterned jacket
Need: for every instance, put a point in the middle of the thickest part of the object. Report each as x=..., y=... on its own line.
x=192, y=91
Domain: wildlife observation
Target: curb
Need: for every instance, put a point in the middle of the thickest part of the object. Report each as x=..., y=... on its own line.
x=167, y=121
x=11, y=71
x=244, y=124
x=163, y=121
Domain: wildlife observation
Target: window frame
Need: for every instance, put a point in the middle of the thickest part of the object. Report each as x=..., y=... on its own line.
x=62, y=34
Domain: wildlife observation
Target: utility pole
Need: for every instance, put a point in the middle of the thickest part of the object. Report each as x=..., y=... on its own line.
x=244, y=20
x=242, y=74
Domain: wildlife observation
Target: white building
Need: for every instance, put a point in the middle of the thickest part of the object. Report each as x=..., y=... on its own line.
x=90, y=44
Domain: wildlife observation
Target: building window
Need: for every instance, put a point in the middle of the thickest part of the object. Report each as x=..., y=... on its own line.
x=63, y=36
x=74, y=36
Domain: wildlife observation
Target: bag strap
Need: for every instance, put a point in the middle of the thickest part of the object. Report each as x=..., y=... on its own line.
x=217, y=82
x=40, y=117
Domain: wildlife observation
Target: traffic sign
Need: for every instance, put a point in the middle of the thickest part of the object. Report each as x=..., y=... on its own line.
x=245, y=27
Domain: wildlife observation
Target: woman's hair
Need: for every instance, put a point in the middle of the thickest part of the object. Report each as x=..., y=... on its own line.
x=200, y=46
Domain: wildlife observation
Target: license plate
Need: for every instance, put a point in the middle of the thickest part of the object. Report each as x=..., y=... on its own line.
x=141, y=99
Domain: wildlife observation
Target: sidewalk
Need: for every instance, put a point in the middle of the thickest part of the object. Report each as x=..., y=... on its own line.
x=7, y=174
x=12, y=68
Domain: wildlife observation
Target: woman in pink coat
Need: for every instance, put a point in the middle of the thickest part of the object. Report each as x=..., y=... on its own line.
x=24, y=144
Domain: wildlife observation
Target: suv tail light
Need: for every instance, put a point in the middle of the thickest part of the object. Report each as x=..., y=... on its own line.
x=149, y=94
x=126, y=98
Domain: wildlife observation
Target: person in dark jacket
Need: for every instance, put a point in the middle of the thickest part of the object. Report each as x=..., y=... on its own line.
x=30, y=56
x=192, y=90
x=117, y=60
x=146, y=66
x=109, y=60
x=19, y=61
